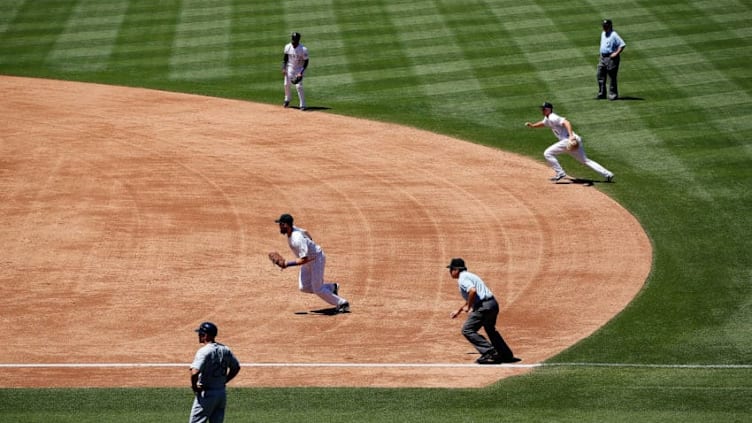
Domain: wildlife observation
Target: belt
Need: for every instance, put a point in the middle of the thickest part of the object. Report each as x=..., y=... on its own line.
x=605, y=54
x=479, y=302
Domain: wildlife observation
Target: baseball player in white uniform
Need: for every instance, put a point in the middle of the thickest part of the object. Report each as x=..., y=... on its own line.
x=213, y=366
x=562, y=129
x=312, y=261
x=294, y=64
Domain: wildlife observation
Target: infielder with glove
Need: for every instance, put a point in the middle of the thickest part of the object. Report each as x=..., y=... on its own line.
x=568, y=142
x=312, y=261
x=294, y=64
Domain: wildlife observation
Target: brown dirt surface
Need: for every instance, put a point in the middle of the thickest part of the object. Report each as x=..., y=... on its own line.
x=131, y=215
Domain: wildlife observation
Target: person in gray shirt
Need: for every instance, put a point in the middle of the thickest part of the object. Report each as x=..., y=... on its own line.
x=483, y=311
x=608, y=66
x=213, y=367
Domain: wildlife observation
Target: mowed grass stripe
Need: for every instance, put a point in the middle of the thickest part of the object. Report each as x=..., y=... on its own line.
x=258, y=36
x=146, y=39
x=700, y=87
x=446, y=77
x=202, y=40
x=373, y=57
x=559, y=66
x=10, y=9
x=321, y=33
x=32, y=34
x=496, y=63
x=719, y=97
x=89, y=36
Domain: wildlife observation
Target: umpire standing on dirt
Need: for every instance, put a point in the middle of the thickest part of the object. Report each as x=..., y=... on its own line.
x=483, y=311
x=213, y=367
x=608, y=66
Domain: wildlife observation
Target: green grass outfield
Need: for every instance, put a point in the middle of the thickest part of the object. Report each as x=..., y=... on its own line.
x=680, y=148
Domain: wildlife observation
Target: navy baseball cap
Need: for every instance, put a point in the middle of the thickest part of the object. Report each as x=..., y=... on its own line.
x=547, y=105
x=607, y=22
x=457, y=263
x=208, y=328
x=285, y=218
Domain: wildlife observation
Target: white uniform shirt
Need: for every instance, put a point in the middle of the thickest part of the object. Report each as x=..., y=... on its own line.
x=469, y=280
x=296, y=57
x=212, y=361
x=302, y=245
x=556, y=123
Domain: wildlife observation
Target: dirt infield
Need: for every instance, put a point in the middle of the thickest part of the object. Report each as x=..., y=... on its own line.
x=130, y=216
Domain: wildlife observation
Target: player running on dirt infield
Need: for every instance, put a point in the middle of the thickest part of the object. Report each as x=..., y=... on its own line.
x=312, y=261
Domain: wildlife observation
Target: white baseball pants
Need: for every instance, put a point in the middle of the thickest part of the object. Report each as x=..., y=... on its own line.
x=560, y=147
x=298, y=88
x=311, y=281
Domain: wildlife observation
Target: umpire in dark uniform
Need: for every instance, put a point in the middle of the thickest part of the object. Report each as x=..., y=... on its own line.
x=608, y=66
x=483, y=310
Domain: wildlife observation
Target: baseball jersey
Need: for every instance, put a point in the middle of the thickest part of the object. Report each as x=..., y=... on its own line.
x=556, y=123
x=469, y=280
x=296, y=57
x=212, y=361
x=610, y=42
x=302, y=245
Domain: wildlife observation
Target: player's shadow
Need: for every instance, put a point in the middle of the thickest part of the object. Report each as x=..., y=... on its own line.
x=582, y=181
x=628, y=98
x=316, y=108
x=331, y=311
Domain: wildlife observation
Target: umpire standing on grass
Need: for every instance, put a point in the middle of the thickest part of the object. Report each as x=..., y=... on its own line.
x=213, y=366
x=608, y=66
x=483, y=311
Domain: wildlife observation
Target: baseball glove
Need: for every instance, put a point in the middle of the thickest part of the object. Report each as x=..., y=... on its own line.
x=277, y=259
x=296, y=79
x=572, y=145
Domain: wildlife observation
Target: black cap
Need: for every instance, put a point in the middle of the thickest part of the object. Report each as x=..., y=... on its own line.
x=547, y=105
x=607, y=22
x=285, y=218
x=457, y=263
x=208, y=328
x=295, y=36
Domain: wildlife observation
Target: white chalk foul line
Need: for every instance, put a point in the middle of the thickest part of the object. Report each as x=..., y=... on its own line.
x=376, y=365
x=186, y=365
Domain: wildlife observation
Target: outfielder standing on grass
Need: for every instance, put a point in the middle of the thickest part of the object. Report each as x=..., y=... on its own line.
x=568, y=142
x=312, y=261
x=294, y=63
x=483, y=311
x=213, y=366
